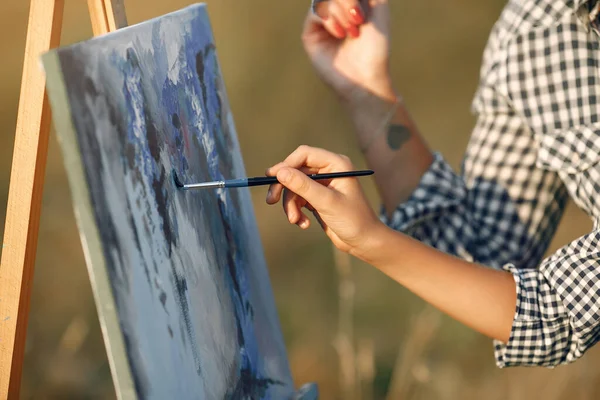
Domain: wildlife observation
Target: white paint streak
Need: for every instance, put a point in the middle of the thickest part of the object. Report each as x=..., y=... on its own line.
x=171, y=36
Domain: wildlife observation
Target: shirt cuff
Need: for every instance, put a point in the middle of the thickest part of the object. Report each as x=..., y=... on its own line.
x=535, y=340
x=440, y=191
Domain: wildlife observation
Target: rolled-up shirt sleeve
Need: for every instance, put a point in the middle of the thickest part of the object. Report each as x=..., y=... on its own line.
x=557, y=318
x=493, y=220
x=440, y=191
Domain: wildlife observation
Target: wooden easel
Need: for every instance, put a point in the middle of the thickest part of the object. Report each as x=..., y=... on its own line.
x=27, y=179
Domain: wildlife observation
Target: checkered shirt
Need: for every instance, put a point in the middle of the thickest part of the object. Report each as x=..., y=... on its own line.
x=536, y=141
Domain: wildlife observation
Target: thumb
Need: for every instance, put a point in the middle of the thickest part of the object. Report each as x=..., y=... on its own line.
x=313, y=192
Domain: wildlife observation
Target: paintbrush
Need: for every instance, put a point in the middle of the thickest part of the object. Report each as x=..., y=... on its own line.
x=262, y=180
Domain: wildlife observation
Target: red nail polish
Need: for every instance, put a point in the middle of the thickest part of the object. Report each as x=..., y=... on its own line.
x=357, y=15
x=339, y=30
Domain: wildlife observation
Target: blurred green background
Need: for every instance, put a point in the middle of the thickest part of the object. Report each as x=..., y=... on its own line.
x=377, y=342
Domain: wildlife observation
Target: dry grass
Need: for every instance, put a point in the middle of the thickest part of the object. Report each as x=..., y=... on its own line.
x=344, y=342
x=411, y=364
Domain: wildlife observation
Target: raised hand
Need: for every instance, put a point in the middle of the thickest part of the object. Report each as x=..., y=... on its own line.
x=348, y=44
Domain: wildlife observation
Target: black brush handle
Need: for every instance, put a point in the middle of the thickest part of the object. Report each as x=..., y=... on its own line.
x=269, y=180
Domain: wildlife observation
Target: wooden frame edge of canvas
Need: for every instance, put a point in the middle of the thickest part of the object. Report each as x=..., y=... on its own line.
x=90, y=236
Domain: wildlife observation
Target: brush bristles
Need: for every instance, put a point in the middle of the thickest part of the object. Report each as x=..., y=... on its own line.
x=178, y=183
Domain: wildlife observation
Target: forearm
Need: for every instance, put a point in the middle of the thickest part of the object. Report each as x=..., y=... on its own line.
x=393, y=147
x=481, y=298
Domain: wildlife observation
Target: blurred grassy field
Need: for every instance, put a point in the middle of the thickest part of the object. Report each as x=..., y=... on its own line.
x=278, y=103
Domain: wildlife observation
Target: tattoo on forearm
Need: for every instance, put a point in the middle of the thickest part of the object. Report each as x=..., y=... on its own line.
x=397, y=136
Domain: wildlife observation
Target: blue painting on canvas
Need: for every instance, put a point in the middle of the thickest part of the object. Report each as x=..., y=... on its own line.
x=186, y=270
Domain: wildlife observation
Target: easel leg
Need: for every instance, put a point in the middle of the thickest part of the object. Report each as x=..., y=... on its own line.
x=27, y=179
x=107, y=15
x=25, y=194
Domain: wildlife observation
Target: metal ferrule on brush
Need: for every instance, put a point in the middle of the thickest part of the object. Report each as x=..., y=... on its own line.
x=206, y=185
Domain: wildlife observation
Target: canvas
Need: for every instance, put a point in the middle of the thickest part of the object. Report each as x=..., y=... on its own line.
x=179, y=277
